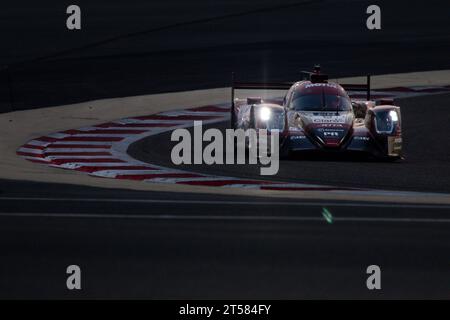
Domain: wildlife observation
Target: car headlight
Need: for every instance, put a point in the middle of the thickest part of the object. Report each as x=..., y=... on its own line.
x=393, y=115
x=386, y=121
x=265, y=114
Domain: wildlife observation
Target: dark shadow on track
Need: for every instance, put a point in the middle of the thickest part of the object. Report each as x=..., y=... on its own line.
x=135, y=257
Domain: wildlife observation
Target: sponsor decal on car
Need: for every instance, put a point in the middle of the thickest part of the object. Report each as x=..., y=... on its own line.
x=321, y=119
x=329, y=85
x=298, y=137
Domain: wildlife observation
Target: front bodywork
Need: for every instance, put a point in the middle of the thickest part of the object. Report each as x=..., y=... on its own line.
x=325, y=132
x=366, y=128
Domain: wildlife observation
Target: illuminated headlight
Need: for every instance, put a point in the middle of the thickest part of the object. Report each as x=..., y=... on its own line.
x=264, y=114
x=385, y=122
x=393, y=115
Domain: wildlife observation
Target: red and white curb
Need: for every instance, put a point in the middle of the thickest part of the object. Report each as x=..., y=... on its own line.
x=101, y=150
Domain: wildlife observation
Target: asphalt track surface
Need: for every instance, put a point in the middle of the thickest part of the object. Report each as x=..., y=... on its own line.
x=424, y=126
x=150, y=245
x=159, y=245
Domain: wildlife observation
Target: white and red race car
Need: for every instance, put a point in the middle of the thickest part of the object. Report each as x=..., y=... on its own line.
x=318, y=116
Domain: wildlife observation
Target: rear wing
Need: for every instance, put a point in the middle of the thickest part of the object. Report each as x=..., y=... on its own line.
x=257, y=86
x=287, y=85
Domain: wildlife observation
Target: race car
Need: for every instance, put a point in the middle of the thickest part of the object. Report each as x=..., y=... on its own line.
x=318, y=116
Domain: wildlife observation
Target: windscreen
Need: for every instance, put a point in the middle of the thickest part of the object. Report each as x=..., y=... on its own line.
x=320, y=102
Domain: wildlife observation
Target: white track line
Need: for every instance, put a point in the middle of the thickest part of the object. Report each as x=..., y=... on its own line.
x=222, y=218
x=65, y=157
x=114, y=173
x=249, y=203
x=75, y=150
x=69, y=143
x=38, y=143
x=176, y=180
x=58, y=135
x=76, y=165
x=101, y=135
x=118, y=128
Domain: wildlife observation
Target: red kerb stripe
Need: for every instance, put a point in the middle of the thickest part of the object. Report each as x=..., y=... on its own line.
x=98, y=160
x=105, y=131
x=143, y=125
x=156, y=175
x=77, y=153
x=99, y=139
x=31, y=146
x=102, y=168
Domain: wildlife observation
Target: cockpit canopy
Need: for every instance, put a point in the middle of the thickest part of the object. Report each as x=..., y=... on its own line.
x=309, y=96
x=320, y=102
